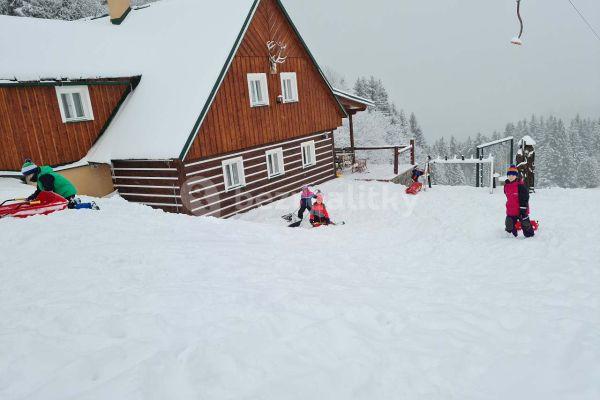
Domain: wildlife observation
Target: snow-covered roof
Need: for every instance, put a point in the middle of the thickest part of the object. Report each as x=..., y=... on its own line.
x=353, y=97
x=528, y=140
x=179, y=47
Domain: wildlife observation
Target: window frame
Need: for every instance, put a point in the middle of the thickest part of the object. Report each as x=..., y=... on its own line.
x=278, y=152
x=294, y=78
x=225, y=165
x=313, y=152
x=262, y=78
x=86, y=103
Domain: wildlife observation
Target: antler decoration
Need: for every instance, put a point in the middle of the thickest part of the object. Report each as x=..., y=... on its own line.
x=277, y=54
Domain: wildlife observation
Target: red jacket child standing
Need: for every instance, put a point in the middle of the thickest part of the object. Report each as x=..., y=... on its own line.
x=517, y=203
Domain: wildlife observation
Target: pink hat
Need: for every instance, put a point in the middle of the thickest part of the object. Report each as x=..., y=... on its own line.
x=320, y=198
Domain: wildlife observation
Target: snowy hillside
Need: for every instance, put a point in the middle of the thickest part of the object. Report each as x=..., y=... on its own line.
x=422, y=298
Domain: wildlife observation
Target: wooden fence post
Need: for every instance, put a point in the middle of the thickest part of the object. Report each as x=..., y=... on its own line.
x=412, y=151
x=396, y=160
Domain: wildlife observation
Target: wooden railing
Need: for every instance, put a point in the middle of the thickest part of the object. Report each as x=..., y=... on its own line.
x=400, y=149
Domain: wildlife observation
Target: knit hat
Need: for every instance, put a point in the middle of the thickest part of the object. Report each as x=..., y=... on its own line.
x=28, y=168
x=319, y=198
x=512, y=170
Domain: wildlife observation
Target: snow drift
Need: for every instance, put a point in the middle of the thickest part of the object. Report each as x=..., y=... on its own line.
x=414, y=298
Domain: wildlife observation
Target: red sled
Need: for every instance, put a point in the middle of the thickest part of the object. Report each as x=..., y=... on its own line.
x=414, y=188
x=535, y=225
x=46, y=203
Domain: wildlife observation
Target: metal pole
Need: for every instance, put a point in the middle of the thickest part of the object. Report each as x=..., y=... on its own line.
x=477, y=171
x=491, y=174
x=396, y=160
x=512, y=151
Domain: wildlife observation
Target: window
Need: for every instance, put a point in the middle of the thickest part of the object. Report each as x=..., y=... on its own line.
x=289, y=87
x=259, y=92
x=309, y=157
x=233, y=173
x=74, y=103
x=275, y=162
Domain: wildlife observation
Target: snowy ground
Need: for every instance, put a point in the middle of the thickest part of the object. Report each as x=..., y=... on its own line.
x=421, y=298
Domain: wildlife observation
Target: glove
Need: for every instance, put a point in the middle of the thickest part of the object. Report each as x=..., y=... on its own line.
x=32, y=197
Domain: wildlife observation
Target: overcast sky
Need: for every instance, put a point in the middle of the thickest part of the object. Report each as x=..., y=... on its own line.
x=451, y=61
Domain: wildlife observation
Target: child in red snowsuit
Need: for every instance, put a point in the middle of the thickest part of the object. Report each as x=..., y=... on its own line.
x=318, y=213
x=517, y=203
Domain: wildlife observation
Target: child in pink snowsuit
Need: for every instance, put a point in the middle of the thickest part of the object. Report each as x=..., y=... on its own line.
x=517, y=203
x=306, y=197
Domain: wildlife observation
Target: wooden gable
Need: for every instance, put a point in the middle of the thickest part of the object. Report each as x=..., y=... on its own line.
x=231, y=124
x=31, y=124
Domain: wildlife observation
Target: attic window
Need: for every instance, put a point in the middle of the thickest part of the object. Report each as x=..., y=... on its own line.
x=259, y=92
x=289, y=87
x=74, y=103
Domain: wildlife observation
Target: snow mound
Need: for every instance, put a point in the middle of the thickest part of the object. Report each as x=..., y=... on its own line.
x=419, y=297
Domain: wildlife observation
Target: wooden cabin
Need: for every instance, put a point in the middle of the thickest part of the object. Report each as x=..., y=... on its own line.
x=216, y=110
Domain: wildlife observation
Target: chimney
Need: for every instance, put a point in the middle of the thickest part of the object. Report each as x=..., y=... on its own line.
x=118, y=10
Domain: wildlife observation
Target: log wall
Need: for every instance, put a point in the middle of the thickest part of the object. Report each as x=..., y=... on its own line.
x=31, y=125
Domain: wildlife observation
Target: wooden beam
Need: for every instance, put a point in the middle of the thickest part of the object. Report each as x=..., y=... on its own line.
x=352, y=138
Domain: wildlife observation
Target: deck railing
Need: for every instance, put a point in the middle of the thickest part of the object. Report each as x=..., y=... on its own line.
x=397, y=150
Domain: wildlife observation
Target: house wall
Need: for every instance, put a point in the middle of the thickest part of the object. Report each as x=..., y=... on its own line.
x=203, y=187
x=152, y=182
x=31, y=125
x=231, y=124
x=198, y=187
x=91, y=180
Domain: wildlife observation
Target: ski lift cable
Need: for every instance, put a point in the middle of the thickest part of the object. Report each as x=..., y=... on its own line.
x=517, y=40
x=520, y=18
x=585, y=20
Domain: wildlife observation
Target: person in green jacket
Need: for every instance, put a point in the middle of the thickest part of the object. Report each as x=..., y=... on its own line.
x=50, y=181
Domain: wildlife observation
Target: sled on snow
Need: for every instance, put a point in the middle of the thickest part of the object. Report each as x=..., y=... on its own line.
x=414, y=188
x=46, y=203
x=534, y=224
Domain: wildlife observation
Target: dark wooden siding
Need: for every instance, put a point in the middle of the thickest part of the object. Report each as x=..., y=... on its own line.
x=31, y=125
x=231, y=124
x=152, y=182
x=197, y=187
x=203, y=187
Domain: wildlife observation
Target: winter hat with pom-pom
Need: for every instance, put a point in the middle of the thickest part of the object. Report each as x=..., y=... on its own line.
x=512, y=170
x=28, y=168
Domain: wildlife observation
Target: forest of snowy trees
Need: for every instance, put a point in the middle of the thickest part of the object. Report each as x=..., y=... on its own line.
x=567, y=155
x=384, y=124
x=58, y=9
